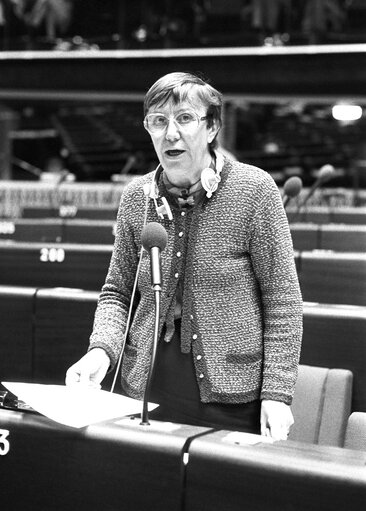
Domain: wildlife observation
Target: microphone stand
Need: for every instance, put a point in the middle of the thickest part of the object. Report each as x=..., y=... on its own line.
x=144, y=415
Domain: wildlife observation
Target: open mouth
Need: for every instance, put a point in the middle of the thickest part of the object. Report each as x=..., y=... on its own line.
x=174, y=152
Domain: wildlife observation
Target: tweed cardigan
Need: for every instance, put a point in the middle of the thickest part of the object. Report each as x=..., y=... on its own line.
x=242, y=306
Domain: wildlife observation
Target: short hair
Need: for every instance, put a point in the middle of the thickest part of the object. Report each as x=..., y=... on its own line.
x=181, y=86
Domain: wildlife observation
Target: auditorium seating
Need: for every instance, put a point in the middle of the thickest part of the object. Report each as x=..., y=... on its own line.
x=343, y=238
x=70, y=211
x=106, y=466
x=326, y=215
x=89, y=231
x=16, y=332
x=325, y=277
x=63, y=320
x=66, y=230
x=44, y=330
x=335, y=336
x=336, y=237
x=81, y=266
x=79, y=229
x=321, y=405
x=123, y=464
x=355, y=437
x=333, y=277
x=32, y=229
x=233, y=471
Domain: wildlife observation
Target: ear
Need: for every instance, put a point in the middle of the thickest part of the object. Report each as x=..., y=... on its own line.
x=212, y=131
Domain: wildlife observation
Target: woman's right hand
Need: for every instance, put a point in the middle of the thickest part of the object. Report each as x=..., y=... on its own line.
x=90, y=370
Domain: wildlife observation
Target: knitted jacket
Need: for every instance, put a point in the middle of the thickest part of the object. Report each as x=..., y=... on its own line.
x=242, y=306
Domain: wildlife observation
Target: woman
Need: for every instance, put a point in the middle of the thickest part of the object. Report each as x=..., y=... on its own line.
x=231, y=308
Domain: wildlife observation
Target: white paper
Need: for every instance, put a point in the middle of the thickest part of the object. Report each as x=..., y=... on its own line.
x=77, y=405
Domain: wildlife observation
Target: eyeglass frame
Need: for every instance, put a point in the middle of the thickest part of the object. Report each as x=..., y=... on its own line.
x=179, y=126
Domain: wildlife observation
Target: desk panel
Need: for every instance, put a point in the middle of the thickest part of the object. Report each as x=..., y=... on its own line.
x=89, y=231
x=70, y=211
x=335, y=337
x=112, y=466
x=327, y=214
x=63, y=324
x=305, y=236
x=16, y=338
x=343, y=238
x=52, y=265
x=226, y=473
x=333, y=277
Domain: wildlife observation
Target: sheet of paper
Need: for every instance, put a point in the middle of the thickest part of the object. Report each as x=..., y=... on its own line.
x=77, y=405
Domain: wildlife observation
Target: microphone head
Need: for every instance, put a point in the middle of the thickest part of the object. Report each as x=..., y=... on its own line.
x=326, y=171
x=292, y=186
x=154, y=235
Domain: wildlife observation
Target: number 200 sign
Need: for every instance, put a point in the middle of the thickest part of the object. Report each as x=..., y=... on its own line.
x=52, y=255
x=4, y=442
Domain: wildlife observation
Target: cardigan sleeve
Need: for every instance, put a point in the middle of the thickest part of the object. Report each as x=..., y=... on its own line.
x=272, y=256
x=114, y=300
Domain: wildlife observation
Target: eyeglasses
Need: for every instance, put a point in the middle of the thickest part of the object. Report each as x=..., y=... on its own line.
x=186, y=121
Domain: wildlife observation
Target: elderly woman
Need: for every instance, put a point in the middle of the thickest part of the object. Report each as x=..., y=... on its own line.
x=231, y=308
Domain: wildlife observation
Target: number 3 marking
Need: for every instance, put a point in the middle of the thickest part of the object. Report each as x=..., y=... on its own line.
x=4, y=442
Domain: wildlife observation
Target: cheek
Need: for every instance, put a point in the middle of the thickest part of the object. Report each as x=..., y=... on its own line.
x=199, y=143
x=156, y=145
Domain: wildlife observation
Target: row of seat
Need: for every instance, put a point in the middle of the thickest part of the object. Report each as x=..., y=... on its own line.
x=62, y=208
x=58, y=230
x=327, y=215
x=306, y=236
x=337, y=237
x=314, y=214
x=46, y=330
x=326, y=277
x=124, y=464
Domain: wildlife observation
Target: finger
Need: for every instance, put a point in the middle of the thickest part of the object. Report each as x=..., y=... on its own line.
x=278, y=432
x=265, y=432
x=72, y=377
x=263, y=426
x=85, y=379
x=94, y=385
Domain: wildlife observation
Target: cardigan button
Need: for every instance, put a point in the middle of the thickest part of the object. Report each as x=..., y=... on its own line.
x=201, y=376
x=194, y=336
x=180, y=234
x=199, y=357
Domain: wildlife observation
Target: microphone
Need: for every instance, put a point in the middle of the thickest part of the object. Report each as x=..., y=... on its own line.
x=154, y=239
x=326, y=172
x=291, y=188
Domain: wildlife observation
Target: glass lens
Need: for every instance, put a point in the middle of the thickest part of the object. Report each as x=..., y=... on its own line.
x=186, y=118
x=159, y=122
x=156, y=122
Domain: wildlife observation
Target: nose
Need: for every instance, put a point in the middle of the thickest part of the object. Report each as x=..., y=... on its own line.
x=172, y=131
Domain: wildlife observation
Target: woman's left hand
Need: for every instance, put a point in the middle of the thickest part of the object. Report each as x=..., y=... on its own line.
x=276, y=419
